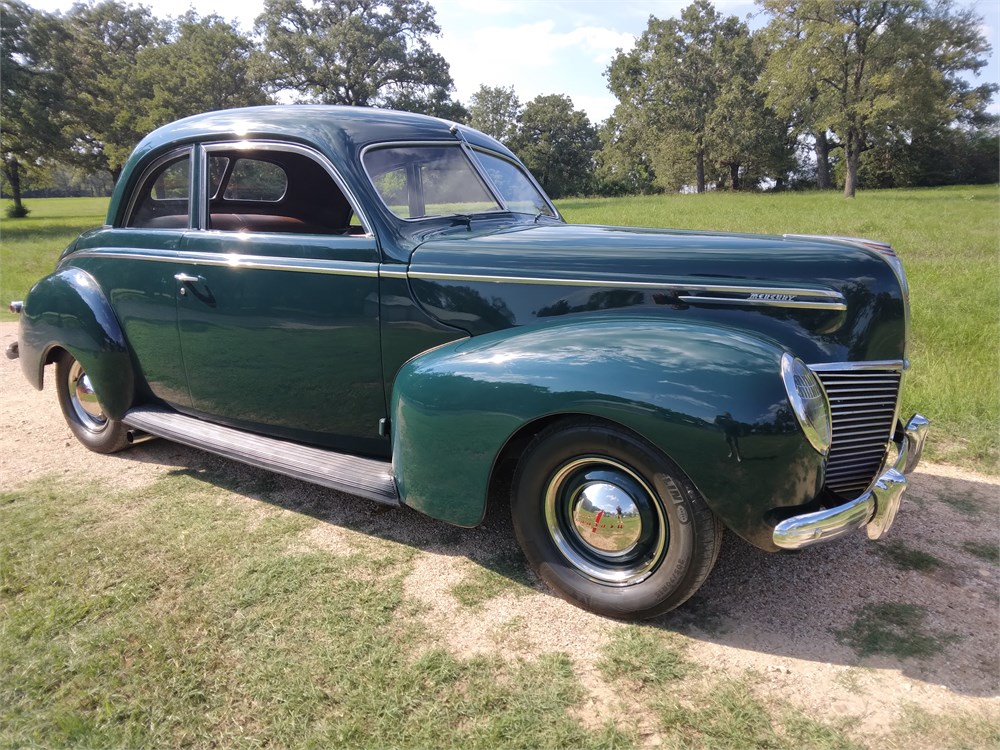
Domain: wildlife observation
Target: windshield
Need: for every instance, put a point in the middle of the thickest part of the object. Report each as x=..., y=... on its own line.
x=418, y=181
x=515, y=188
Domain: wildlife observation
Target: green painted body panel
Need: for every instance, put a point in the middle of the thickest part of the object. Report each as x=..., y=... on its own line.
x=295, y=354
x=710, y=397
x=67, y=309
x=143, y=296
x=872, y=327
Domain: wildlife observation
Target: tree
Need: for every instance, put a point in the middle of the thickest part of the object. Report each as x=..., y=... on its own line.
x=361, y=52
x=104, y=97
x=205, y=64
x=873, y=70
x=31, y=93
x=557, y=143
x=494, y=110
x=687, y=89
x=436, y=103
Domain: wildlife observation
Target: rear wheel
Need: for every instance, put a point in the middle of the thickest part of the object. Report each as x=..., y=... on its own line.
x=611, y=523
x=83, y=411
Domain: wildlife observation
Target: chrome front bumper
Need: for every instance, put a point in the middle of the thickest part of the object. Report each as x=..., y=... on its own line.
x=875, y=509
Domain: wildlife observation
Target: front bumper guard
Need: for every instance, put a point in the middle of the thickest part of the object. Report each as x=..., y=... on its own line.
x=875, y=510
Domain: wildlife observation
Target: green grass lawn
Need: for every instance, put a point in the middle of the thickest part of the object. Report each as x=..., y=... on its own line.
x=29, y=247
x=948, y=239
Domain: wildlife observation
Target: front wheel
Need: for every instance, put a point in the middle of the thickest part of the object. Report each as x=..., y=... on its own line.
x=611, y=523
x=82, y=410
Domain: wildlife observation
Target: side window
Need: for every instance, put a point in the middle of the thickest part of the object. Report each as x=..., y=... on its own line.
x=515, y=187
x=272, y=190
x=253, y=180
x=163, y=198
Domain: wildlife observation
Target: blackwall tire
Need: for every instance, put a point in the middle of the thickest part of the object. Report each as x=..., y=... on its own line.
x=83, y=412
x=611, y=523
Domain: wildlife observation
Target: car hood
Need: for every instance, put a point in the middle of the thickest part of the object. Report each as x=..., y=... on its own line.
x=840, y=293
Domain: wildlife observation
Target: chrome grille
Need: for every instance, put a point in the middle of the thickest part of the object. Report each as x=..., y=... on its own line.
x=863, y=405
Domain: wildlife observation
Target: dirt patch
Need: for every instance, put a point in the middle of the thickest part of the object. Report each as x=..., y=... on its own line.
x=780, y=616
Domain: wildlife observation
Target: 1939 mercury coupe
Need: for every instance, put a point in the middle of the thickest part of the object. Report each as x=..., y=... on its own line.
x=389, y=305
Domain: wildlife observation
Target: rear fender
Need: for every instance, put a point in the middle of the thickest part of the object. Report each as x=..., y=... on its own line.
x=68, y=309
x=709, y=397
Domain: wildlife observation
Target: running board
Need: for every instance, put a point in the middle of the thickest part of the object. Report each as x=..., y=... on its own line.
x=366, y=477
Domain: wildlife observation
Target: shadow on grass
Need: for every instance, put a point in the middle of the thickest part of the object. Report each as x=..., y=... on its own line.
x=783, y=605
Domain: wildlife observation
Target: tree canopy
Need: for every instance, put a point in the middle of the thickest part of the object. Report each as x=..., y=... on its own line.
x=688, y=106
x=557, y=143
x=881, y=92
x=873, y=71
x=361, y=52
x=495, y=110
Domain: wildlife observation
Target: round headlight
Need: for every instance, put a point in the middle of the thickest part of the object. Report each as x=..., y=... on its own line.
x=809, y=402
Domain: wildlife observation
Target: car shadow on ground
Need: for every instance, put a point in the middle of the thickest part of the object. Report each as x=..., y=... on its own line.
x=801, y=605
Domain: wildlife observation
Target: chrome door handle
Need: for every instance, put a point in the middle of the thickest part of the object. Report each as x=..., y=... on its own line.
x=188, y=281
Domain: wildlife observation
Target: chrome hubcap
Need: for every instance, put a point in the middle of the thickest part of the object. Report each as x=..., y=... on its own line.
x=605, y=520
x=599, y=513
x=85, y=404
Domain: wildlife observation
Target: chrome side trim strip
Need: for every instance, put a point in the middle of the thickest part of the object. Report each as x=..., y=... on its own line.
x=258, y=262
x=829, y=295
x=392, y=274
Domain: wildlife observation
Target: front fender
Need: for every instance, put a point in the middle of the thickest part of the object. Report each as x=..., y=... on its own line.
x=709, y=397
x=68, y=309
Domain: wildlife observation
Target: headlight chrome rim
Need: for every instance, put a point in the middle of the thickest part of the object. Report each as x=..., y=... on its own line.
x=820, y=436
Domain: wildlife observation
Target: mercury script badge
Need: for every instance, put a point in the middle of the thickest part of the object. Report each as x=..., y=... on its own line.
x=772, y=297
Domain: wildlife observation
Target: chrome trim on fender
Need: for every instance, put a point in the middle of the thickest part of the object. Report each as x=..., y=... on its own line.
x=817, y=305
x=232, y=260
x=876, y=509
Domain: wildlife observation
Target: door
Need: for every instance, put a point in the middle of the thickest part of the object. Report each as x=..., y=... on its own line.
x=277, y=302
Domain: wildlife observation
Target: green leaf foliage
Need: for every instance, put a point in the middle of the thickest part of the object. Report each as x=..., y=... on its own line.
x=495, y=110
x=361, y=52
x=557, y=143
x=689, y=112
x=874, y=71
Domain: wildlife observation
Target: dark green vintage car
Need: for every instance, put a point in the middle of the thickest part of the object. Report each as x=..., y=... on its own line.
x=389, y=305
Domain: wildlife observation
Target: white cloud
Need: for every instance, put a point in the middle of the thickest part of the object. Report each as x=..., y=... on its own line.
x=535, y=58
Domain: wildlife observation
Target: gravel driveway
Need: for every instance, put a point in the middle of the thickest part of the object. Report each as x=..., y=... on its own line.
x=783, y=616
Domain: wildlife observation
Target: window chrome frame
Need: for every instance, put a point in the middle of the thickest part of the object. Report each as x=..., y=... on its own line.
x=249, y=144
x=173, y=155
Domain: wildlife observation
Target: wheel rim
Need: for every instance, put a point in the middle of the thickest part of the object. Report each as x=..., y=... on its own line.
x=605, y=520
x=84, y=401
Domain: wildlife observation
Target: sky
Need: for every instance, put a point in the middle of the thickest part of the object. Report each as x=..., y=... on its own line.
x=543, y=46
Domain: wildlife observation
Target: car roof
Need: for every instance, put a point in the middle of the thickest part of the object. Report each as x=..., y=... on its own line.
x=339, y=132
x=309, y=122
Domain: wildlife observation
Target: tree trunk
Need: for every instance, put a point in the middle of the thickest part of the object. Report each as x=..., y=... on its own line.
x=734, y=175
x=822, y=161
x=852, y=154
x=12, y=171
x=700, y=171
x=779, y=184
